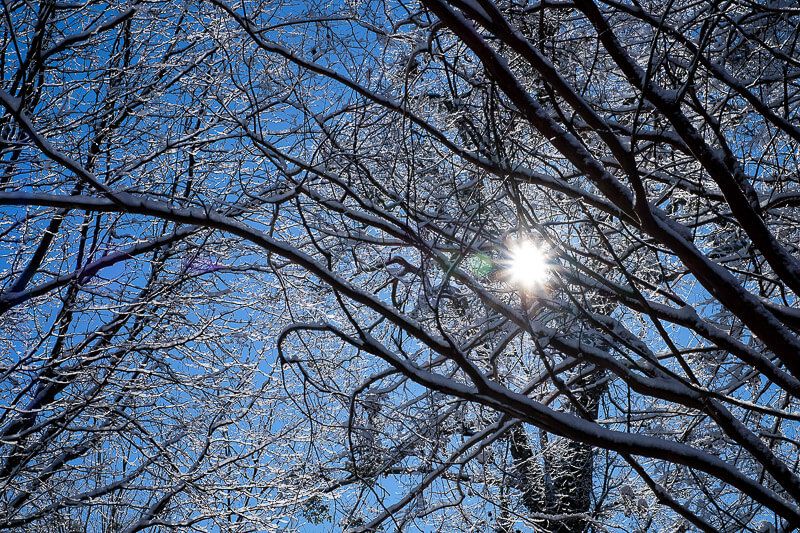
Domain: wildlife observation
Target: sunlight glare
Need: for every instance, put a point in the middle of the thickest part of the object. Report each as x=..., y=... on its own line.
x=528, y=265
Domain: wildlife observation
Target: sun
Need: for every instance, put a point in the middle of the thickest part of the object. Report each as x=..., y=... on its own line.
x=528, y=264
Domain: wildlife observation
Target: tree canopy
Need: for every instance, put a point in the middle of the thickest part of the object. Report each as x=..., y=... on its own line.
x=438, y=265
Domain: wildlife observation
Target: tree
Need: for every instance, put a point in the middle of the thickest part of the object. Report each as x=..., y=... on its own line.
x=464, y=265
